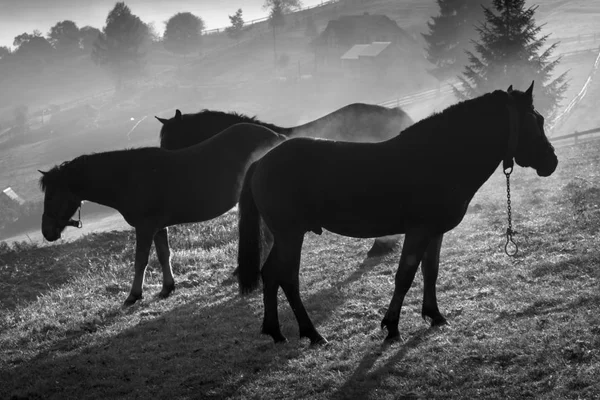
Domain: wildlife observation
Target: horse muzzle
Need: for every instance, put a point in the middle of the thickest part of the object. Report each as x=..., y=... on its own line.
x=51, y=231
x=548, y=168
x=51, y=234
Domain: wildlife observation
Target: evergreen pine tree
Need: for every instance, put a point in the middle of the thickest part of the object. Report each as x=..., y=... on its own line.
x=509, y=54
x=451, y=33
x=237, y=25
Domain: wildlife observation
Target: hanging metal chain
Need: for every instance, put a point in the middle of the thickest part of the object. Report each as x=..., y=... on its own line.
x=510, y=248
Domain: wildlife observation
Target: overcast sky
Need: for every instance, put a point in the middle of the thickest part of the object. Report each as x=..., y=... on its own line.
x=18, y=16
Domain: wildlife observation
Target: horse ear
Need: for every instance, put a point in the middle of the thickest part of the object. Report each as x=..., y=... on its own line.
x=178, y=115
x=529, y=91
x=510, y=89
x=162, y=120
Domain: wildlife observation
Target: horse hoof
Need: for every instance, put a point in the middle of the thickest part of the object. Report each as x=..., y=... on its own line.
x=280, y=340
x=129, y=303
x=131, y=300
x=383, y=246
x=378, y=251
x=319, y=342
x=165, y=293
x=439, y=321
x=392, y=337
x=392, y=328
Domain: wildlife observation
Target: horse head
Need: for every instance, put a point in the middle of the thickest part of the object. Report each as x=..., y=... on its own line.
x=60, y=203
x=528, y=143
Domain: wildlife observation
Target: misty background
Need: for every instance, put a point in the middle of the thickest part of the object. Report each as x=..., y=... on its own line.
x=63, y=97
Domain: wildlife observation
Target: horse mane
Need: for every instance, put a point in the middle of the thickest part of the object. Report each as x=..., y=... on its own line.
x=72, y=172
x=63, y=174
x=196, y=118
x=458, y=112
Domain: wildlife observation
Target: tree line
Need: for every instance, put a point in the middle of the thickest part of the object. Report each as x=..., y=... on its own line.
x=122, y=44
x=485, y=44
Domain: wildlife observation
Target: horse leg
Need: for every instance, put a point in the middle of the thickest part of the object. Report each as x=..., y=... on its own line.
x=289, y=280
x=161, y=243
x=143, y=242
x=384, y=245
x=270, y=324
x=429, y=267
x=415, y=244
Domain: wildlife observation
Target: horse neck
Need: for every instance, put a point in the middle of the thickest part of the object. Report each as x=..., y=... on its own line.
x=98, y=178
x=468, y=145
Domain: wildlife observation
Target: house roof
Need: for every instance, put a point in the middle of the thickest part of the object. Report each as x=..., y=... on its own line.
x=365, y=50
x=374, y=49
x=347, y=27
x=354, y=52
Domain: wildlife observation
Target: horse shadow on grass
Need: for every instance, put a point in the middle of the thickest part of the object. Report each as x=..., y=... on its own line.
x=208, y=347
x=191, y=351
x=365, y=380
x=552, y=306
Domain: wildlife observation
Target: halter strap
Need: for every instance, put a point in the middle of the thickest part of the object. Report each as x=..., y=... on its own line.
x=513, y=134
x=68, y=222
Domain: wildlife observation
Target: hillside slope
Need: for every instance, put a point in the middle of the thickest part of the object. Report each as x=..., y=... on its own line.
x=519, y=327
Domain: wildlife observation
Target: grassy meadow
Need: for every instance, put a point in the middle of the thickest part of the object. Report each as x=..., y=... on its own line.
x=524, y=326
x=519, y=327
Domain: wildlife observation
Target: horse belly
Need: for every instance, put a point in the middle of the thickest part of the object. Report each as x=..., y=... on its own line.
x=365, y=229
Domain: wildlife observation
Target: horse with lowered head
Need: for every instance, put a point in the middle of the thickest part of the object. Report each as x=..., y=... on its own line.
x=154, y=188
x=433, y=170
x=357, y=122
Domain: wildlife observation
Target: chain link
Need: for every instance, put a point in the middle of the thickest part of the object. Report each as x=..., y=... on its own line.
x=509, y=231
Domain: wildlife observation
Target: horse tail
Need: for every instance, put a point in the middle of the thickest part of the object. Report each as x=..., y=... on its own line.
x=249, y=243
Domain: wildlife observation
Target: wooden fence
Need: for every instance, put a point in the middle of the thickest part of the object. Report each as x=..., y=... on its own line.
x=575, y=135
x=263, y=19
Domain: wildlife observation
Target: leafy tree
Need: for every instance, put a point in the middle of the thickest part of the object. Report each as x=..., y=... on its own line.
x=123, y=43
x=285, y=5
x=65, y=36
x=4, y=52
x=311, y=28
x=88, y=35
x=237, y=24
x=22, y=38
x=276, y=20
x=183, y=33
x=451, y=33
x=32, y=45
x=509, y=50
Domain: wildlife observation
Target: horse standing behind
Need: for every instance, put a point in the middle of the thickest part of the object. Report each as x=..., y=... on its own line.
x=433, y=170
x=357, y=122
x=154, y=188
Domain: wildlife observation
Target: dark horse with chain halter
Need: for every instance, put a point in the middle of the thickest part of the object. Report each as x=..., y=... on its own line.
x=357, y=122
x=154, y=188
x=433, y=170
